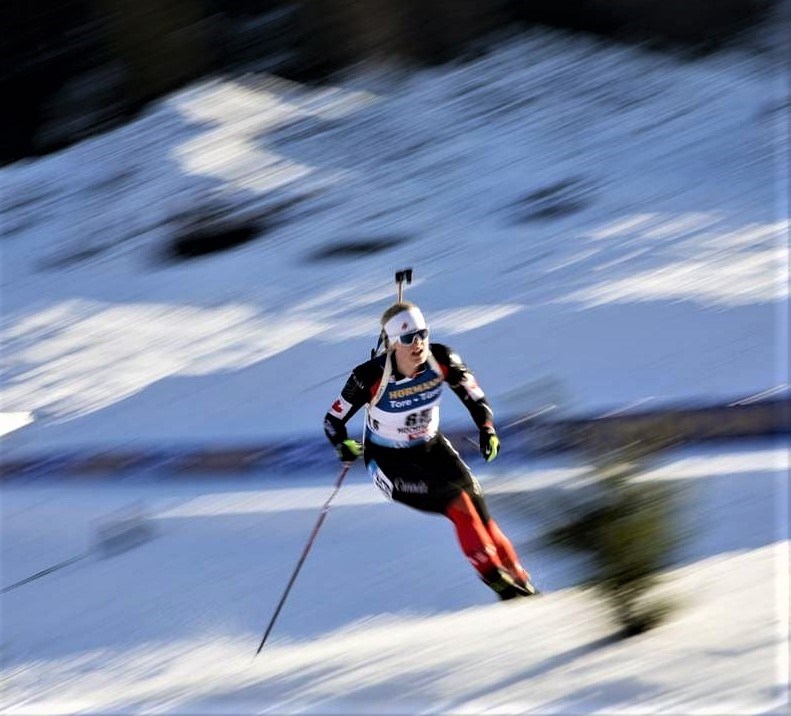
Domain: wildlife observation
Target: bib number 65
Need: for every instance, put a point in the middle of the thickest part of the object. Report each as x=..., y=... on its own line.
x=418, y=419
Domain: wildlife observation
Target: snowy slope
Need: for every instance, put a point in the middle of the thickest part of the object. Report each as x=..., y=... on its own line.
x=386, y=616
x=592, y=226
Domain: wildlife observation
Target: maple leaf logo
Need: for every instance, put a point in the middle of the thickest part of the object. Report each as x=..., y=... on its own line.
x=337, y=407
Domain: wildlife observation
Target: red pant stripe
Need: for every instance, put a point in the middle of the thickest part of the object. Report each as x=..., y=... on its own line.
x=475, y=540
x=506, y=551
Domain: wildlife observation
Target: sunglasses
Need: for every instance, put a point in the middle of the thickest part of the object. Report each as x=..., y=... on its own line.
x=407, y=339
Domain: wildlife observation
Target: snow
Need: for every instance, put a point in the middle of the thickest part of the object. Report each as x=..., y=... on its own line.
x=13, y=421
x=386, y=616
x=557, y=197
x=590, y=226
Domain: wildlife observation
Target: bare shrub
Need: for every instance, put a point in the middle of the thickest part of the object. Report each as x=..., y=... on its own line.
x=628, y=530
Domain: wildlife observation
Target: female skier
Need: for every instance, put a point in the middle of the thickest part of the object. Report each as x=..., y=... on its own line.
x=407, y=456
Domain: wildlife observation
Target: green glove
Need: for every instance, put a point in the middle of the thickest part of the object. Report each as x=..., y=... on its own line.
x=489, y=443
x=349, y=450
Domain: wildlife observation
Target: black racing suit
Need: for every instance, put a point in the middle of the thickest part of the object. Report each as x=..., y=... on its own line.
x=405, y=453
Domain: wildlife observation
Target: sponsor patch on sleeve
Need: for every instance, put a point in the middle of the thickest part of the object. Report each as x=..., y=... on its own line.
x=471, y=386
x=329, y=428
x=340, y=408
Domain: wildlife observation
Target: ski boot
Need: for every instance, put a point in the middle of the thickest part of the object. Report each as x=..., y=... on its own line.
x=528, y=586
x=523, y=580
x=504, y=585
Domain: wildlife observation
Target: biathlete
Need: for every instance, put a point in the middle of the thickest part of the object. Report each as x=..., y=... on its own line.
x=407, y=456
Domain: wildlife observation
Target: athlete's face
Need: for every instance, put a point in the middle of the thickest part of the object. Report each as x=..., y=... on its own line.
x=410, y=357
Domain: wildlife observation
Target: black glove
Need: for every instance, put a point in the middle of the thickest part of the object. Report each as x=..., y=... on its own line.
x=489, y=443
x=349, y=450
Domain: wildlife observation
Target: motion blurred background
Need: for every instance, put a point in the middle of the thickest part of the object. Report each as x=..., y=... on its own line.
x=203, y=202
x=71, y=68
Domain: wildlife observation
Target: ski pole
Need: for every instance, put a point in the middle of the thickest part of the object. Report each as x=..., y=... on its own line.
x=302, y=559
x=43, y=572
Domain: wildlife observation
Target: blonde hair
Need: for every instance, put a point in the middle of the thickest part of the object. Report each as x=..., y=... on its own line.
x=395, y=309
